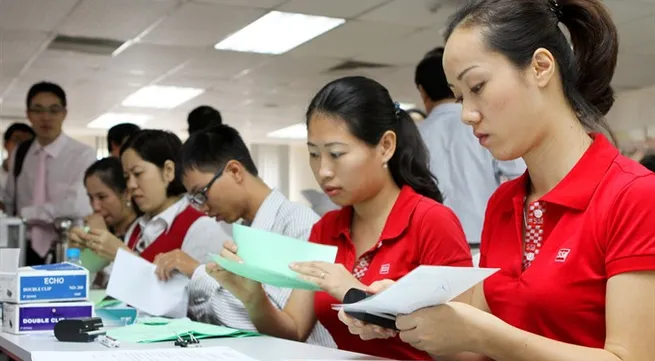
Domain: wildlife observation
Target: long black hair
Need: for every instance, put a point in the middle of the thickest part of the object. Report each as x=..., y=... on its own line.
x=517, y=29
x=368, y=110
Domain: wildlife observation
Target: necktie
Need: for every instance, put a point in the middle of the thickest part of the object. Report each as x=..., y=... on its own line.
x=41, y=234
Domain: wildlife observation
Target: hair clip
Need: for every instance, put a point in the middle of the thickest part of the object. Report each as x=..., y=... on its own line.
x=556, y=9
x=397, y=109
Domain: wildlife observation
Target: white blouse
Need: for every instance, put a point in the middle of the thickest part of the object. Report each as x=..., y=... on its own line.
x=203, y=237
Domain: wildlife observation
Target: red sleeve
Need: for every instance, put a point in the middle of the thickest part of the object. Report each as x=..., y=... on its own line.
x=631, y=229
x=443, y=242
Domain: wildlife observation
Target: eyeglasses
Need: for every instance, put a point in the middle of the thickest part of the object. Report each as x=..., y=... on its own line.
x=52, y=111
x=200, y=198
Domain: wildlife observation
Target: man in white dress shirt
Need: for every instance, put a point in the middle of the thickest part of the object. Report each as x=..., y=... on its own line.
x=221, y=179
x=50, y=184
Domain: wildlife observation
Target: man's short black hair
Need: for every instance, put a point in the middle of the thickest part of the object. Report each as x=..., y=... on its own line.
x=119, y=133
x=209, y=150
x=648, y=161
x=431, y=76
x=46, y=87
x=18, y=127
x=203, y=117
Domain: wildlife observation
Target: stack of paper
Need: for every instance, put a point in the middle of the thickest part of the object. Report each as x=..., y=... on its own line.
x=161, y=330
x=425, y=286
x=266, y=257
x=176, y=354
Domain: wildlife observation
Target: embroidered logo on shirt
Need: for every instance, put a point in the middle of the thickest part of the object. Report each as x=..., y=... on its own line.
x=562, y=255
x=362, y=266
x=384, y=270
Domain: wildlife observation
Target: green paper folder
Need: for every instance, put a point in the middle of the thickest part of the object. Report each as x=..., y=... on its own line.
x=155, y=321
x=266, y=257
x=149, y=333
x=97, y=296
x=92, y=262
x=99, y=299
x=264, y=276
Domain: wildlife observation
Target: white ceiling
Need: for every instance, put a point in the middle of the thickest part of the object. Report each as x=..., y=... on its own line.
x=173, y=45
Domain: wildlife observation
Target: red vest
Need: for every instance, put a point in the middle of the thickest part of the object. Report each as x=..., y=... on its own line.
x=167, y=241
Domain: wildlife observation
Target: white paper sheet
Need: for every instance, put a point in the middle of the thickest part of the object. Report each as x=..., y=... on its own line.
x=425, y=286
x=133, y=281
x=179, y=354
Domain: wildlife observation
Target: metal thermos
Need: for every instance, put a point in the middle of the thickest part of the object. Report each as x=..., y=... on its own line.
x=62, y=226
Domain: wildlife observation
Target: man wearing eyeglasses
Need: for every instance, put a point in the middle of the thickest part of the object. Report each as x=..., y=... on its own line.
x=221, y=179
x=50, y=182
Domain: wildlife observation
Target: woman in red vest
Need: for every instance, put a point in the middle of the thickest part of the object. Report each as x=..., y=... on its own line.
x=168, y=222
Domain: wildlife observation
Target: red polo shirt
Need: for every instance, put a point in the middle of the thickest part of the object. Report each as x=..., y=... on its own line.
x=419, y=231
x=599, y=221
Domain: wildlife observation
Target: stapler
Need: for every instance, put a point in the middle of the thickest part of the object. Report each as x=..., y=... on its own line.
x=79, y=329
x=355, y=295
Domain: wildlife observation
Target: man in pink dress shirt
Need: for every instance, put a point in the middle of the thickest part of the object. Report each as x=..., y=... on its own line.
x=50, y=183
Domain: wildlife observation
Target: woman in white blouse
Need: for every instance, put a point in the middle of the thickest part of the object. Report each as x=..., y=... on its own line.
x=168, y=222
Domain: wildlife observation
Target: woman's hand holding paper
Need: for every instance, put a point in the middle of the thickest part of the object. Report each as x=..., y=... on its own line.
x=332, y=278
x=242, y=288
x=364, y=330
x=75, y=238
x=103, y=243
x=446, y=329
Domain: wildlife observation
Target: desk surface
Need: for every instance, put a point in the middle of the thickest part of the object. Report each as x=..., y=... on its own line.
x=260, y=348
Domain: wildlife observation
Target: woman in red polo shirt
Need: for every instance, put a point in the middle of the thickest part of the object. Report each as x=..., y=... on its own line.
x=169, y=222
x=367, y=155
x=573, y=237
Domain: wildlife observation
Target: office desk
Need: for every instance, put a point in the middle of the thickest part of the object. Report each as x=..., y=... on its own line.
x=260, y=348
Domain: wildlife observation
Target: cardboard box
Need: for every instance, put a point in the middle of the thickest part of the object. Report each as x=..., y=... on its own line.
x=47, y=283
x=117, y=316
x=41, y=317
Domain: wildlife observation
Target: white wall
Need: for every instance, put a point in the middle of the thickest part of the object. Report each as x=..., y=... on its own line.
x=300, y=174
x=633, y=114
x=273, y=165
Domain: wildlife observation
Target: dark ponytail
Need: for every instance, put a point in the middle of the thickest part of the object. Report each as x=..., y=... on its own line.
x=517, y=29
x=596, y=46
x=410, y=163
x=367, y=108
